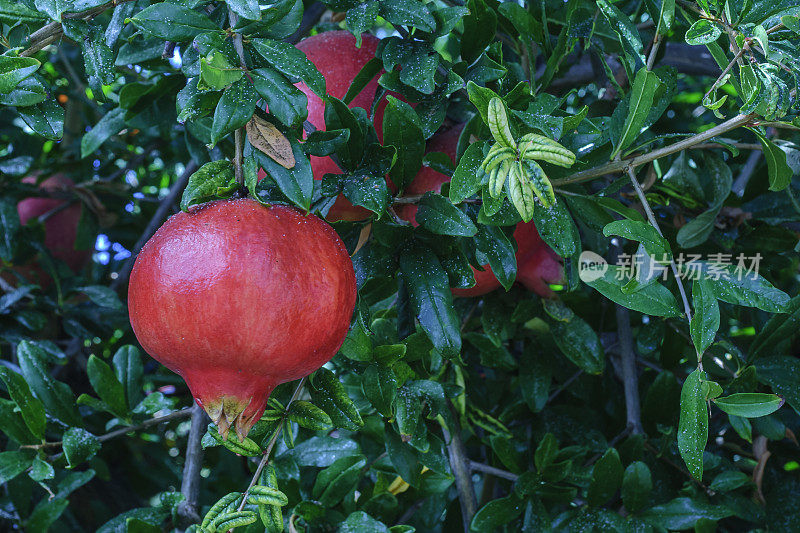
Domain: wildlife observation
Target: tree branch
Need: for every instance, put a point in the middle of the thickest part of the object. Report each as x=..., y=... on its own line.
x=155, y=222
x=629, y=375
x=190, y=484
x=488, y=469
x=623, y=165
x=460, y=466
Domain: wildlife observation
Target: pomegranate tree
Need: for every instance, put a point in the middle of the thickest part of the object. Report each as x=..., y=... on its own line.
x=238, y=298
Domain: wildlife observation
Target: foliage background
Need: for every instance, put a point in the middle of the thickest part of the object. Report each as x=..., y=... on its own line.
x=492, y=413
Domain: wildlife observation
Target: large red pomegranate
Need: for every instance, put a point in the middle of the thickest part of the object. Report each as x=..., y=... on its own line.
x=238, y=298
x=537, y=264
x=60, y=226
x=335, y=54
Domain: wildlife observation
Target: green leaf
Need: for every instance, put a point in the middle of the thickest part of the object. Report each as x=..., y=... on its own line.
x=777, y=329
x=173, y=22
x=361, y=522
x=438, y=215
x=9, y=222
x=46, y=119
x=607, y=476
x=749, y=404
x=705, y=321
x=741, y=287
x=210, y=181
x=285, y=101
x=334, y=482
x=498, y=123
x=782, y=374
x=248, y=9
x=309, y=416
x=128, y=368
x=380, y=388
x=30, y=407
x=360, y=19
x=557, y=229
x=657, y=246
x=499, y=252
x=329, y=394
x=653, y=299
x=637, y=484
x=403, y=130
x=234, y=109
x=467, y=175
x=15, y=69
x=291, y=62
x=261, y=495
x=645, y=85
x=496, y=513
x=13, y=464
x=322, y=143
x=693, y=424
x=703, y=31
x=626, y=31
x=56, y=396
x=108, y=387
x=246, y=447
x=28, y=92
x=79, y=446
x=217, y=72
x=41, y=470
x=683, y=513
x=102, y=296
x=780, y=174
x=108, y=126
x=46, y=513
x=697, y=230
x=579, y=342
x=480, y=98
x=729, y=480
x=431, y=299
x=408, y=13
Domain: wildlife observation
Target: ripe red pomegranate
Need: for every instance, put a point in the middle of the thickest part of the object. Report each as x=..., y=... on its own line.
x=537, y=264
x=60, y=227
x=238, y=298
x=335, y=54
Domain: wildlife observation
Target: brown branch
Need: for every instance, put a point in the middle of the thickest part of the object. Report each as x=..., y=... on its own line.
x=488, y=469
x=190, y=485
x=460, y=467
x=630, y=378
x=625, y=164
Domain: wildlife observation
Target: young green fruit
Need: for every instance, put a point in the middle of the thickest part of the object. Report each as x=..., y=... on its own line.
x=238, y=298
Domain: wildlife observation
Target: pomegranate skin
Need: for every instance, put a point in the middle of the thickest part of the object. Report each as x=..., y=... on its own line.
x=238, y=298
x=60, y=228
x=335, y=55
x=537, y=264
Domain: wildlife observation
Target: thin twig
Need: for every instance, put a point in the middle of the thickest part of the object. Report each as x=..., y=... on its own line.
x=238, y=135
x=175, y=415
x=724, y=72
x=488, y=469
x=158, y=217
x=461, y=471
x=564, y=385
x=630, y=379
x=271, y=444
x=190, y=484
x=624, y=164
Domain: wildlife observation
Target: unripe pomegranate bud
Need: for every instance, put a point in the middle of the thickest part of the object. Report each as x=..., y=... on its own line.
x=238, y=298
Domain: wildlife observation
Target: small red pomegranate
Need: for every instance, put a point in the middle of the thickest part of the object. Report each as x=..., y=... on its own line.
x=335, y=54
x=60, y=227
x=537, y=264
x=238, y=298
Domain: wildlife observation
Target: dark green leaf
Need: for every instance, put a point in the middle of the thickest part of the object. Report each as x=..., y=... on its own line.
x=15, y=69
x=46, y=119
x=607, y=476
x=292, y=62
x=234, y=109
x=693, y=425
x=285, y=101
x=328, y=393
x=56, y=396
x=705, y=322
x=749, y=404
x=111, y=124
x=31, y=408
x=210, y=181
x=108, y=387
x=172, y=22
x=438, y=215
x=402, y=129
x=637, y=484
x=79, y=446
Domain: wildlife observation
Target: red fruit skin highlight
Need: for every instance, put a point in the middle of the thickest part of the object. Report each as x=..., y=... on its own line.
x=238, y=298
x=537, y=264
x=60, y=228
x=335, y=54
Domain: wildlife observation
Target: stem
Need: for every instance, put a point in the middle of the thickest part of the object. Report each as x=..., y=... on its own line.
x=488, y=469
x=271, y=444
x=190, y=484
x=238, y=135
x=630, y=379
x=175, y=415
x=626, y=164
x=652, y=219
x=724, y=72
x=461, y=471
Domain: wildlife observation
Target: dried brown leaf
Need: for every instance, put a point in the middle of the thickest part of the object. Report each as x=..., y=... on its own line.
x=266, y=138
